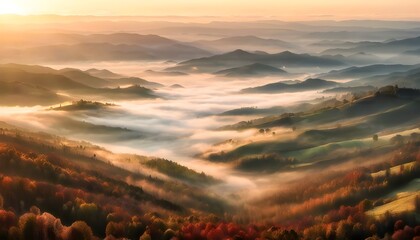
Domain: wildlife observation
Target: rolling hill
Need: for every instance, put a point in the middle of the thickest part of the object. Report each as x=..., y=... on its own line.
x=164, y=73
x=392, y=47
x=105, y=47
x=248, y=43
x=253, y=70
x=365, y=71
x=60, y=83
x=93, y=78
x=103, y=73
x=240, y=58
x=410, y=78
x=46, y=80
x=24, y=94
x=319, y=136
x=62, y=172
x=73, y=74
x=84, y=78
x=384, y=100
x=358, y=89
x=280, y=87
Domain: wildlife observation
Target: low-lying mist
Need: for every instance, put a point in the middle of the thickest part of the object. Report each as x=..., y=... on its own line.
x=180, y=125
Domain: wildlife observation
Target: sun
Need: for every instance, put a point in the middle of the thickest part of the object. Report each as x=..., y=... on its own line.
x=9, y=7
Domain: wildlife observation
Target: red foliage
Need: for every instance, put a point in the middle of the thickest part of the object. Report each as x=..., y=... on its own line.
x=7, y=219
x=399, y=225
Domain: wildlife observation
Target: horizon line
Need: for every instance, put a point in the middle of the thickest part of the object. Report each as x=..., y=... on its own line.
x=272, y=18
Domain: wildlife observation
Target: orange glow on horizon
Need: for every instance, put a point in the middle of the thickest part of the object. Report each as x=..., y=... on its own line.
x=276, y=9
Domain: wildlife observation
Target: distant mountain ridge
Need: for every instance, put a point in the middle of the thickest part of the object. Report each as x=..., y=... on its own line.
x=23, y=94
x=106, y=47
x=252, y=70
x=395, y=47
x=240, y=57
x=280, y=87
x=246, y=42
x=410, y=78
x=103, y=73
x=89, y=78
x=52, y=83
x=365, y=71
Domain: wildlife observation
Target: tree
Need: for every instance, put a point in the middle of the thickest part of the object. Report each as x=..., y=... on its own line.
x=344, y=230
x=35, y=210
x=375, y=137
x=357, y=231
x=135, y=228
x=115, y=229
x=27, y=226
x=314, y=232
x=80, y=231
x=399, y=225
x=397, y=140
x=14, y=233
x=145, y=236
x=88, y=212
x=169, y=234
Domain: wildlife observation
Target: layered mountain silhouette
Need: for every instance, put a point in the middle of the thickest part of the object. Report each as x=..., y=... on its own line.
x=45, y=80
x=382, y=107
x=356, y=59
x=164, y=73
x=16, y=93
x=89, y=78
x=410, y=78
x=50, y=84
x=250, y=43
x=280, y=87
x=240, y=57
x=253, y=70
x=365, y=71
x=394, y=47
x=356, y=89
x=103, y=73
x=115, y=79
x=107, y=47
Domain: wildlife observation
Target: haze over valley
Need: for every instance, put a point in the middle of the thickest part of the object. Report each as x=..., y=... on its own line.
x=185, y=127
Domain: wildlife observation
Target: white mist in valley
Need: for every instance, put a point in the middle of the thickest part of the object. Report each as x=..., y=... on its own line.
x=179, y=125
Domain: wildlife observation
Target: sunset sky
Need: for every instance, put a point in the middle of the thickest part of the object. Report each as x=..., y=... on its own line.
x=284, y=9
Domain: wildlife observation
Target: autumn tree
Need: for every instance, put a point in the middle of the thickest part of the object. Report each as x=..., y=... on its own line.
x=344, y=230
x=115, y=229
x=79, y=231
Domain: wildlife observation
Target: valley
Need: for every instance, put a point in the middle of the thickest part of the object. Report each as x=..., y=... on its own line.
x=208, y=130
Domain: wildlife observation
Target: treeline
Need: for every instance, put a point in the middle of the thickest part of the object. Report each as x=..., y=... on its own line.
x=345, y=223
x=45, y=196
x=93, y=161
x=28, y=180
x=332, y=190
x=180, y=172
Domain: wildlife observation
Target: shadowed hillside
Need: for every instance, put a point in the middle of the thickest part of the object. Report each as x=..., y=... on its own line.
x=239, y=58
x=279, y=87
x=253, y=70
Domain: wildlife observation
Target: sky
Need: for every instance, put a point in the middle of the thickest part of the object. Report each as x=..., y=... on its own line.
x=282, y=9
